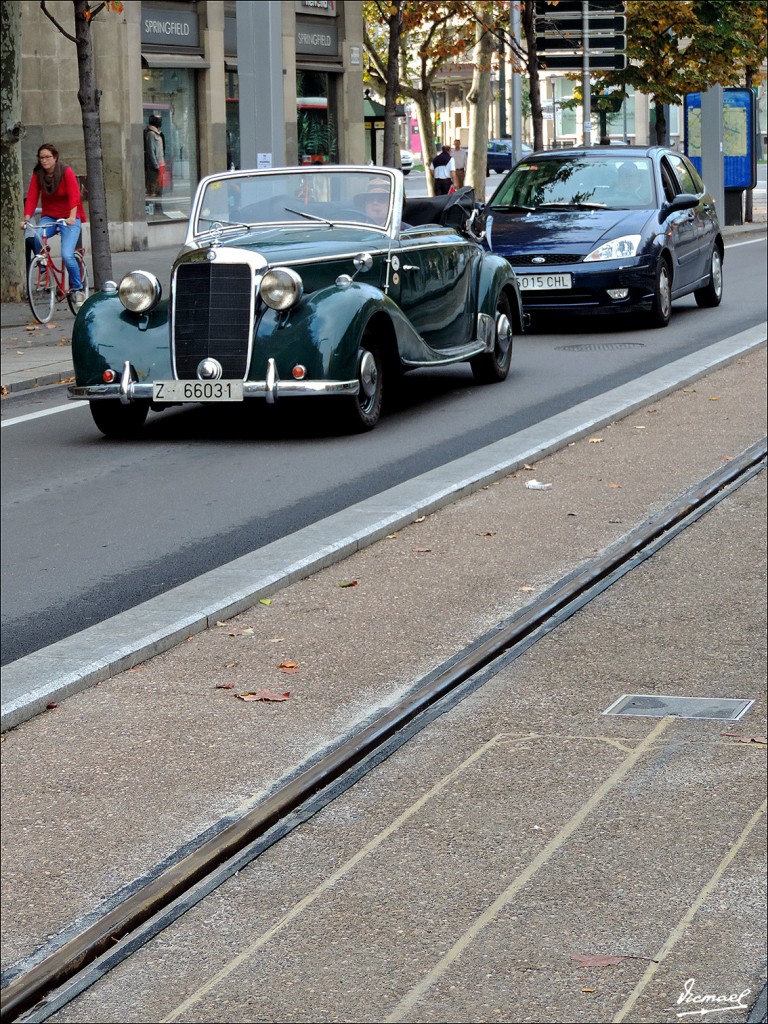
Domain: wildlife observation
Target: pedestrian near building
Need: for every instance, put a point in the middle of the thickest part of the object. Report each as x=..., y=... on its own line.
x=459, y=156
x=55, y=186
x=443, y=171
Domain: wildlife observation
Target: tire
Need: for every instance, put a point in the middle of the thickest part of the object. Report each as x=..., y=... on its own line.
x=41, y=290
x=119, y=421
x=661, y=307
x=362, y=411
x=712, y=293
x=493, y=367
x=84, y=278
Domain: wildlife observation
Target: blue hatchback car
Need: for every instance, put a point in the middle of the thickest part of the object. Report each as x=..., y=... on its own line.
x=608, y=230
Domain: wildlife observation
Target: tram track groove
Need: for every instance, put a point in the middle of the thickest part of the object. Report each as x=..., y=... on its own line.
x=85, y=957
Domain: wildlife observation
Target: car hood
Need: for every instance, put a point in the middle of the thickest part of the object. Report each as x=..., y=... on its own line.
x=573, y=231
x=281, y=245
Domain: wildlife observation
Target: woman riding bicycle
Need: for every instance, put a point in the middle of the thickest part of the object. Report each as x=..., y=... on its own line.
x=55, y=185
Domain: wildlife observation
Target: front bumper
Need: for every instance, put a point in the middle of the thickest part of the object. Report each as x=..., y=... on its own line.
x=589, y=293
x=130, y=390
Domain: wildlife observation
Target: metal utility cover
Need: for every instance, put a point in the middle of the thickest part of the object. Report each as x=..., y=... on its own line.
x=657, y=705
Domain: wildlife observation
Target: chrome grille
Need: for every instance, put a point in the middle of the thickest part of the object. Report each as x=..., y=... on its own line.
x=212, y=317
x=544, y=259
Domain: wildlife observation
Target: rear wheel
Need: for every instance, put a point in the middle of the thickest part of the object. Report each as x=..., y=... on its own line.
x=116, y=420
x=712, y=292
x=73, y=305
x=362, y=411
x=41, y=290
x=492, y=367
x=661, y=307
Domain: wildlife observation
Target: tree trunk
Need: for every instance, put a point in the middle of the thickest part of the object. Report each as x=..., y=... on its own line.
x=391, y=146
x=89, y=96
x=528, y=15
x=12, y=279
x=661, y=123
x=424, y=117
x=479, y=102
x=748, y=203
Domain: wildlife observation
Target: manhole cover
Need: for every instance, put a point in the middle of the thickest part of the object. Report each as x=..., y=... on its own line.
x=606, y=346
x=656, y=705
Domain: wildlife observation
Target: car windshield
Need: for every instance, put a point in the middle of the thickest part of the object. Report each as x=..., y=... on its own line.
x=611, y=183
x=288, y=196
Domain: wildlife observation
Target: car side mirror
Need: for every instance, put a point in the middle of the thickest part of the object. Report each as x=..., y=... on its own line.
x=683, y=201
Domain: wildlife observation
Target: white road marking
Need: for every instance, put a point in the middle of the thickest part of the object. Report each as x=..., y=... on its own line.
x=38, y=415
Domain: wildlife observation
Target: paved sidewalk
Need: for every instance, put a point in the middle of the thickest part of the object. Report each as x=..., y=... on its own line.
x=34, y=355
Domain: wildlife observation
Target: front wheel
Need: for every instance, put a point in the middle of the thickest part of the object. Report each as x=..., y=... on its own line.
x=41, y=289
x=661, y=307
x=119, y=421
x=492, y=367
x=712, y=293
x=362, y=411
x=73, y=304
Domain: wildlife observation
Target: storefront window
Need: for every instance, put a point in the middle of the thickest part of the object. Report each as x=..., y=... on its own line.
x=316, y=121
x=170, y=142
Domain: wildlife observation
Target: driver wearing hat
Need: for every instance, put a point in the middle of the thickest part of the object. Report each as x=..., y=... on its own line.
x=375, y=200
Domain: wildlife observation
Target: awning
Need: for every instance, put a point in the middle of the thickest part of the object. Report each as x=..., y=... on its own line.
x=194, y=61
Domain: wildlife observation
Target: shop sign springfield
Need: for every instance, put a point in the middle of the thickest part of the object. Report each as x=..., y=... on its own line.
x=317, y=39
x=169, y=28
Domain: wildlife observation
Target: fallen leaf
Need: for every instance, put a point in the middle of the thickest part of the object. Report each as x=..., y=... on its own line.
x=391, y=536
x=231, y=664
x=714, y=398
x=225, y=686
x=265, y=600
x=222, y=623
x=350, y=583
x=596, y=960
x=615, y=487
x=757, y=740
x=526, y=589
x=420, y=519
x=488, y=533
x=422, y=551
x=571, y=444
x=263, y=695
x=585, y=990
x=596, y=440
x=289, y=666
x=50, y=706
x=276, y=639
x=526, y=466
x=640, y=426
x=245, y=631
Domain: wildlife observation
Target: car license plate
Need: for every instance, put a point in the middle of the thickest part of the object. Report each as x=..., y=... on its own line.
x=197, y=391
x=544, y=282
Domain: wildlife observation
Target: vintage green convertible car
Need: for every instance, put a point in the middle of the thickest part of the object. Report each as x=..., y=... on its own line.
x=296, y=282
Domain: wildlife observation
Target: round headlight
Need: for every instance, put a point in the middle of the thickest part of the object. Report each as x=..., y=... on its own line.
x=281, y=288
x=139, y=291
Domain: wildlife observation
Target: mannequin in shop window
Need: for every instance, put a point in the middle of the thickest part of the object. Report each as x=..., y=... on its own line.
x=154, y=156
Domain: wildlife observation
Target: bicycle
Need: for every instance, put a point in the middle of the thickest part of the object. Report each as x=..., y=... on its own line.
x=47, y=279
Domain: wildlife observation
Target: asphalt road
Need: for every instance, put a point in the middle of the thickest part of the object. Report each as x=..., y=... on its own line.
x=91, y=528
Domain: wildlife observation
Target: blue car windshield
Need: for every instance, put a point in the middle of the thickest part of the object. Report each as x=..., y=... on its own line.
x=612, y=183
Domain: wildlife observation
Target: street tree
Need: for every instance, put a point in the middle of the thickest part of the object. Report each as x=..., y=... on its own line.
x=12, y=240
x=430, y=35
x=479, y=99
x=89, y=97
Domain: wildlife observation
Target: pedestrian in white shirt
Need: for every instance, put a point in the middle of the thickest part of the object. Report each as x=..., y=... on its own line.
x=443, y=171
x=459, y=156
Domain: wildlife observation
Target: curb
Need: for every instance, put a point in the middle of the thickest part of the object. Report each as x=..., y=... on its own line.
x=125, y=640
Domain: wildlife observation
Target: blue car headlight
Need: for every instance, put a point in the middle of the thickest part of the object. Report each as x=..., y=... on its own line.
x=617, y=249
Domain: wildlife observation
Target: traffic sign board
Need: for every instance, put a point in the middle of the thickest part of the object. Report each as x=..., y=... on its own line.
x=611, y=23
x=561, y=45
x=574, y=61
x=574, y=8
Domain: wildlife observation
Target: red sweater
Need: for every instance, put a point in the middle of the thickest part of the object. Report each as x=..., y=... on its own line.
x=60, y=203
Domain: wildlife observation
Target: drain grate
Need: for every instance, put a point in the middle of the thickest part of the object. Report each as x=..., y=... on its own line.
x=656, y=705
x=607, y=346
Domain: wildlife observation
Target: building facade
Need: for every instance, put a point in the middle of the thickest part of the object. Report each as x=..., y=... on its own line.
x=171, y=95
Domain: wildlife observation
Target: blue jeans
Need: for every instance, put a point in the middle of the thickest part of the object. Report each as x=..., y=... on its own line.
x=70, y=233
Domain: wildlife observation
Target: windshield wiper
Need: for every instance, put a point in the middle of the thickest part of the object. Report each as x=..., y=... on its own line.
x=309, y=216
x=578, y=206
x=513, y=207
